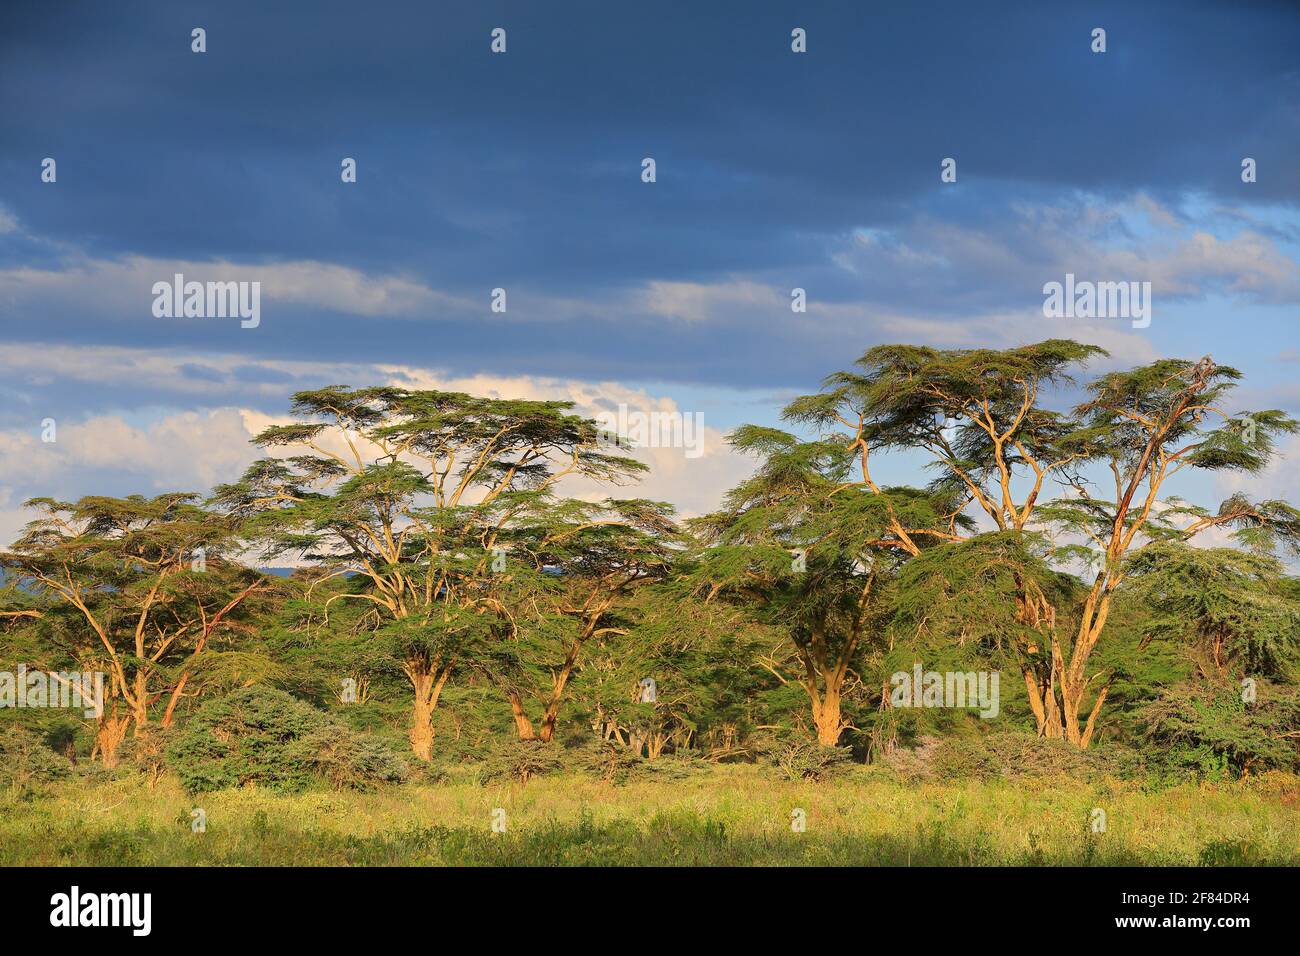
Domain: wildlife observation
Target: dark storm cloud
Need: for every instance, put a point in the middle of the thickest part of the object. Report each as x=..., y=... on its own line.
x=522, y=170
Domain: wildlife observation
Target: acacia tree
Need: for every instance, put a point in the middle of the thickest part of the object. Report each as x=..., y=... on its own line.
x=1234, y=611
x=974, y=412
x=141, y=588
x=978, y=415
x=1235, y=615
x=1146, y=426
x=574, y=565
x=677, y=675
x=640, y=693
x=813, y=541
x=404, y=493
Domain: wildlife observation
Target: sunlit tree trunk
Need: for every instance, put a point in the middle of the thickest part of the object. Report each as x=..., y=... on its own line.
x=523, y=726
x=109, y=734
x=427, y=679
x=827, y=719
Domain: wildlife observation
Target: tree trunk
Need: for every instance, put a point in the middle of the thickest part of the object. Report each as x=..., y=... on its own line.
x=523, y=726
x=823, y=681
x=421, y=727
x=826, y=718
x=552, y=712
x=427, y=680
x=177, y=694
x=109, y=736
x=140, y=702
x=655, y=744
x=1074, y=683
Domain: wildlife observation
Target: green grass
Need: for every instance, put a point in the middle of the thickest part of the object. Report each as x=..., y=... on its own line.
x=738, y=815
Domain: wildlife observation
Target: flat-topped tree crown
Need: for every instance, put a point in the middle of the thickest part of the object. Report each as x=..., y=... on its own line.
x=1150, y=423
x=414, y=496
x=578, y=563
x=977, y=412
x=1176, y=410
x=898, y=389
x=615, y=542
x=144, y=584
x=153, y=531
x=1144, y=426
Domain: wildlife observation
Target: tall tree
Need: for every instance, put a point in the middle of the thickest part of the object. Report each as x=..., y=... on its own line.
x=1146, y=426
x=979, y=416
x=574, y=565
x=1234, y=611
x=143, y=586
x=813, y=542
x=405, y=493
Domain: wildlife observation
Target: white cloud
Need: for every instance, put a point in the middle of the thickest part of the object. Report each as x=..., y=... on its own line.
x=195, y=450
x=1134, y=239
x=124, y=286
x=698, y=302
x=187, y=451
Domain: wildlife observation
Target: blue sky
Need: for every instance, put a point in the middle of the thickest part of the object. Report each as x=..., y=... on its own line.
x=522, y=170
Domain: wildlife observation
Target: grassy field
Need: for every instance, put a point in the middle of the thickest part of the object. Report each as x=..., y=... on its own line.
x=738, y=815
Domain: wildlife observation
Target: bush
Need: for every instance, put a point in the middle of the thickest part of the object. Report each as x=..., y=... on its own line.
x=508, y=758
x=266, y=737
x=1212, y=732
x=521, y=760
x=26, y=764
x=146, y=751
x=1007, y=755
x=798, y=758
x=617, y=764
x=348, y=760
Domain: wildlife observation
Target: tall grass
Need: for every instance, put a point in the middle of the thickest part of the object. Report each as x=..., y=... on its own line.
x=737, y=815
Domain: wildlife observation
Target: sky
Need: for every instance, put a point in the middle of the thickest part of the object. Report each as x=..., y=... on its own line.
x=523, y=171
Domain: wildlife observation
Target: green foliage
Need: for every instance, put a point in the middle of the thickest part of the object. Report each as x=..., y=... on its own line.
x=348, y=760
x=1213, y=732
x=521, y=760
x=801, y=759
x=146, y=750
x=968, y=595
x=137, y=587
x=442, y=559
x=262, y=736
x=27, y=765
x=1233, y=609
x=1009, y=755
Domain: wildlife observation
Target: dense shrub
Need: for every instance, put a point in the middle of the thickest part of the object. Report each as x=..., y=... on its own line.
x=264, y=736
x=1008, y=755
x=349, y=760
x=1211, y=731
x=521, y=760
x=146, y=750
x=619, y=765
x=26, y=764
x=582, y=754
x=799, y=758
